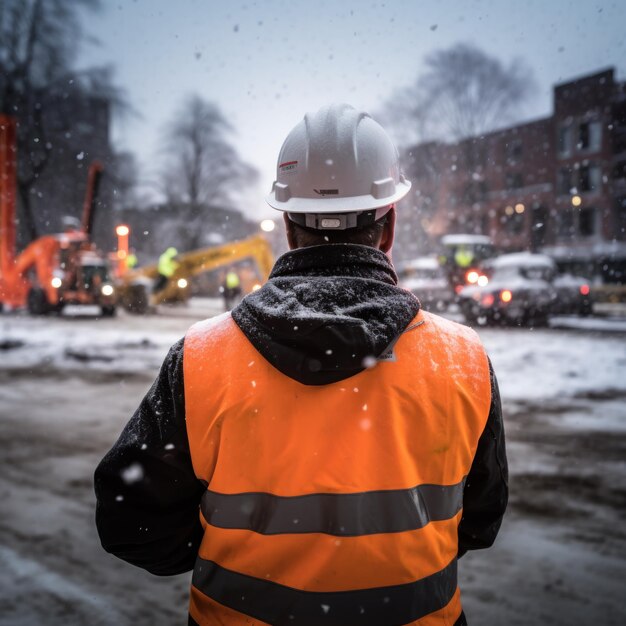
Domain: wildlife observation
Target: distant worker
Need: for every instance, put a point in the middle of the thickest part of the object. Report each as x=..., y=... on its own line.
x=168, y=264
x=231, y=289
x=324, y=454
x=463, y=257
x=131, y=261
x=461, y=261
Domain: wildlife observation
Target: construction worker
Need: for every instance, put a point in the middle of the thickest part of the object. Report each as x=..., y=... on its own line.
x=463, y=256
x=343, y=446
x=231, y=288
x=131, y=260
x=166, y=267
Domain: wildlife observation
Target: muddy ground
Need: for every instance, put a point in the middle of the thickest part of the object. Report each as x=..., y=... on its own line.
x=560, y=557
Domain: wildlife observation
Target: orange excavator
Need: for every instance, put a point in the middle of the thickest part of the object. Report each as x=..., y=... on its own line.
x=53, y=270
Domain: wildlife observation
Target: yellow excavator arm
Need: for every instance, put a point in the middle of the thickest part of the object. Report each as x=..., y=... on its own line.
x=193, y=263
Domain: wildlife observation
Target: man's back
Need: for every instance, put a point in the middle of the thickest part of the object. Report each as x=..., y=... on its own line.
x=342, y=447
x=346, y=496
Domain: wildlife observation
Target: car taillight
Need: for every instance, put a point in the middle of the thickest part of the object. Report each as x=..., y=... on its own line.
x=506, y=296
x=458, y=288
x=487, y=300
x=584, y=290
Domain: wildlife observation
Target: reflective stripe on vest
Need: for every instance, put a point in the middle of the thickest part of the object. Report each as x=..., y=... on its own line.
x=335, y=504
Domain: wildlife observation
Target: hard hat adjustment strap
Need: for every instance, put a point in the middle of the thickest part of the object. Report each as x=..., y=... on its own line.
x=335, y=221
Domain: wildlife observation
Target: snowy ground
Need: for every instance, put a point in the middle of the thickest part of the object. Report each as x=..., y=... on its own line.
x=68, y=385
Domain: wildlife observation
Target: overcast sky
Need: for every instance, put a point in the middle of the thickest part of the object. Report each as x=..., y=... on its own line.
x=267, y=62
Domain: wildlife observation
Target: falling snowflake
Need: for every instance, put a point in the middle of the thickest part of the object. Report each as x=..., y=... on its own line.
x=369, y=362
x=132, y=474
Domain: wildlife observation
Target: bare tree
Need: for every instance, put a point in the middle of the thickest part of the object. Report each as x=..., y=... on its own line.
x=463, y=92
x=39, y=40
x=202, y=167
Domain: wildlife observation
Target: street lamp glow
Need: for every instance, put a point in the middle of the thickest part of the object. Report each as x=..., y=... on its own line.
x=268, y=226
x=520, y=208
x=122, y=230
x=577, y=200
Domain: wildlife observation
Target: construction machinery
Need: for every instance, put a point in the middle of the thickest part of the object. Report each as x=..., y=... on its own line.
x=56, y=269
x=135, y=288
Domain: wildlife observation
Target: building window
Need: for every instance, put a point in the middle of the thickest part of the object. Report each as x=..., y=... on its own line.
x=484, y=223
x=587, y=222
x=578, y=222
x=589, y=178
x=565, y=140
x=583, y=136
x=564, y=182
x=620, y=218
x=619, y=170
x=514, y=150
x=566, y=226
x=590, y=136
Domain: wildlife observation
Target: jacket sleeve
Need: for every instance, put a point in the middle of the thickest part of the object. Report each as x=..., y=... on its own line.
x=147, y=493
x=486, y=488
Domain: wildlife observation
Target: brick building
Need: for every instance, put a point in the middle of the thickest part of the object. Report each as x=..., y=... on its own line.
x=549, y=184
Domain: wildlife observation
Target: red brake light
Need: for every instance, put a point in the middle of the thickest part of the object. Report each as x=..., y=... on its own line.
x=506, y=296
x=584, y=290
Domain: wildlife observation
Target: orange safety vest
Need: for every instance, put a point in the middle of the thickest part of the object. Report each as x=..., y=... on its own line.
x=336, y=504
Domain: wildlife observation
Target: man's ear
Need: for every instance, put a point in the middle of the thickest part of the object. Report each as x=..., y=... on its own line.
x=389, y=231
x=289, y=230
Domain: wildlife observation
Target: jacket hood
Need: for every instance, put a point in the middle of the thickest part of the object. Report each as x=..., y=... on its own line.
x=327, y=312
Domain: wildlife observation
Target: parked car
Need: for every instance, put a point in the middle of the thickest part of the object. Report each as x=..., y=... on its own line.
x=523, y=289
x=427, y=280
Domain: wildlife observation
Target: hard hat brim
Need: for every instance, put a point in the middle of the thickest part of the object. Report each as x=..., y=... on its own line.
x=338, y=205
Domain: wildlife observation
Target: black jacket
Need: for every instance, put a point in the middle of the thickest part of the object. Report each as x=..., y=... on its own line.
x=342, y=296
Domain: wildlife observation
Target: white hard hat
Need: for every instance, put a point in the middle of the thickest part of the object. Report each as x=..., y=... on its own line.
x=335, y=167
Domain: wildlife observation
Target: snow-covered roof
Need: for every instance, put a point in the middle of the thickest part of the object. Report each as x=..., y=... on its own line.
x=420, y=263
x=612, y=249
x=455, y=240
x=524, y=259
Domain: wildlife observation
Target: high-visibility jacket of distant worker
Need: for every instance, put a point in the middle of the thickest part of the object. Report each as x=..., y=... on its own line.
x=294, y=517
x=167, y=265
x=232, y=280
x=463, y=257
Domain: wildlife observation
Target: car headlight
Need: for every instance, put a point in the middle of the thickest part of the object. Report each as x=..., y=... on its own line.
x=107, y=290
x=56, y=282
